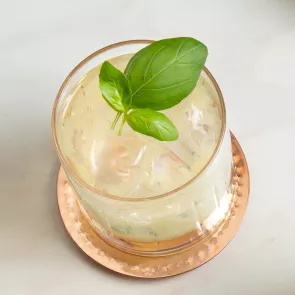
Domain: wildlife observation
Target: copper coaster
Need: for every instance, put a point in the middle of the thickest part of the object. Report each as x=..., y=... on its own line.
x=162, y=266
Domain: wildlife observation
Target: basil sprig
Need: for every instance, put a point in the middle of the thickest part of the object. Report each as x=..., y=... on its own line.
x=157, y=77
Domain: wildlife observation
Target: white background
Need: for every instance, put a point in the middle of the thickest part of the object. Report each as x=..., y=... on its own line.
x=252, y=55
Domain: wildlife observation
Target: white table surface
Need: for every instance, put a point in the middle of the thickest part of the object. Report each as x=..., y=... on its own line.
x=252, y=56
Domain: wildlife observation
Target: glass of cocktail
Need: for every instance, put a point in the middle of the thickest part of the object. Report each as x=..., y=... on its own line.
x=142, y=195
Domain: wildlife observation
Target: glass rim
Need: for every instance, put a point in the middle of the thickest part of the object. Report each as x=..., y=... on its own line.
x=79, y=180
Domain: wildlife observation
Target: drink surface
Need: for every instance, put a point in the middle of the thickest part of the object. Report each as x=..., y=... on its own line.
x=134, y=165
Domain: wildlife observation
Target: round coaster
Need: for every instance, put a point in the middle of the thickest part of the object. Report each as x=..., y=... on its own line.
x=161, y=266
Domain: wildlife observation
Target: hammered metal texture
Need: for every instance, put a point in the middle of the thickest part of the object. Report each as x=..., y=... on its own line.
x=162, y=266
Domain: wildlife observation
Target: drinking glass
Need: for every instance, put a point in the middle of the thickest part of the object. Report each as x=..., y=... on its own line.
x=161, y=224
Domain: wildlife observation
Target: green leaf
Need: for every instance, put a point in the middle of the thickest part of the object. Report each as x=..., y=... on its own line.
x=165, y=72
x=115, y=87
x=153, y=124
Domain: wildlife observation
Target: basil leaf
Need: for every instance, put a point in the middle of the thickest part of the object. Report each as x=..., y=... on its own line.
x=165, y=72
x=115, y=87
x=153, y=124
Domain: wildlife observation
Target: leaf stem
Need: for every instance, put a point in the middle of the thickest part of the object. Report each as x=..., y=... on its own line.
x=122, y=125
x=116, y=121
